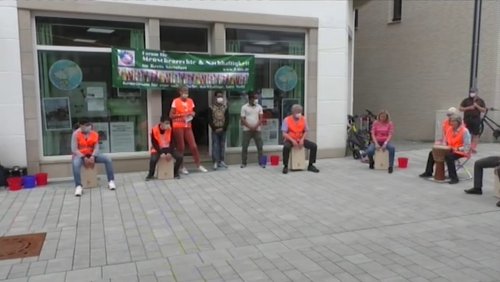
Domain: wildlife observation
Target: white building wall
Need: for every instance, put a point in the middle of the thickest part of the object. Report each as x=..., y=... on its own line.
x=335, y=18
x=12, y=134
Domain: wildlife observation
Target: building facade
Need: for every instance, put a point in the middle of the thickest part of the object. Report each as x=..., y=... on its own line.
x=59, y=70
x=420, y=63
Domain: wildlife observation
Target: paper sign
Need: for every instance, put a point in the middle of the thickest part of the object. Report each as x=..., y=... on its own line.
x=122, y=137
x=267, y=93
x=95, y=105
x=95, y=92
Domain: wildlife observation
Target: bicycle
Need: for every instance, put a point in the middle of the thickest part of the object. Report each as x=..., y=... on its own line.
x=494, y=126
x=358, y=139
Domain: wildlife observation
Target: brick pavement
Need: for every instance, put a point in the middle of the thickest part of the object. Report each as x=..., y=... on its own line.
x=346, y=223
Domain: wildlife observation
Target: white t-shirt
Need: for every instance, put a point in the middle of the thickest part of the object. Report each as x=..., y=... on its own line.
x=251, y=115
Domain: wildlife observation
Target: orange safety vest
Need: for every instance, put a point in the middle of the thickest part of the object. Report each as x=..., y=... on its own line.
x=86, y=144
x=163, y=140
x=456, y=140
x=296, y=128
x=182, y=109
x=446, y=126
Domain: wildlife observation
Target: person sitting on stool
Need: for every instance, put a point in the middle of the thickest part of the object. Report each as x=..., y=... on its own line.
x=382, y=131
x=458, y=139
x=294, y=130
x=479, y=165
x=161, y=137
x=85, y=148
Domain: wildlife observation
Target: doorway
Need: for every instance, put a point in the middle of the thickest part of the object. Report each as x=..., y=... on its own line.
x=200, y=122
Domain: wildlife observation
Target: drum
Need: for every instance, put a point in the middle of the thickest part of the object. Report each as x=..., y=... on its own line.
x=439, y=153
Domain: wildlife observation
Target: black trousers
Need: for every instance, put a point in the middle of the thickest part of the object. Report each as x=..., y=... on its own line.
x=479, y=165
x=155, y=157
x=449, y=159
x=311, y=146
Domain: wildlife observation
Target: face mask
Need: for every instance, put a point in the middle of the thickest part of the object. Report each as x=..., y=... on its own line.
x=184, y=96
x=472, y=95
x=86, y=129
x=297, y=116
x=220, y=100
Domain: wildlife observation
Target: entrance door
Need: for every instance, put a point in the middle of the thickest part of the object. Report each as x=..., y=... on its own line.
x=200, y=121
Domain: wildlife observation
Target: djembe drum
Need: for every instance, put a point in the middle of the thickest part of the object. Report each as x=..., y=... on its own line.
x=439, y=153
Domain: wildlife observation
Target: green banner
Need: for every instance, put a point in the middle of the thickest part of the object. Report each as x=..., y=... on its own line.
x=138, y=68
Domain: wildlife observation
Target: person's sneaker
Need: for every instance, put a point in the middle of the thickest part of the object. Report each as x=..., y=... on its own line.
x=285, y=170
x=215, y=166
x=372, y=165
x=222, y=164
x=312, y=168
x=111, y=185
x=202, y=169
x=78, y=190
x=184, y=171
x=243, y=165
x=425, y=174
x=474, y=191
x=150, y=177
x=390, y=170
x=453, y=181
x=498, y=204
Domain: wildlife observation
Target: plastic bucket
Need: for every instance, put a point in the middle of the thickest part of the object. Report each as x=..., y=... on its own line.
x=402, y=162
x=263, y=160
x=41, y=179
x=275, y=160
x=15, y=183
x=29, y=182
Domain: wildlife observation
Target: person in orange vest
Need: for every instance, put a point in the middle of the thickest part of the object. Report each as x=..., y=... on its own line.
x=85, y=148
x=458, y=139
x=162, y=147
x=446, y=125
x=182, y=113
x=294, y=128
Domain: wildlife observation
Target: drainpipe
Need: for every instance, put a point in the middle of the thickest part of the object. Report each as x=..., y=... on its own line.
x=475, y=43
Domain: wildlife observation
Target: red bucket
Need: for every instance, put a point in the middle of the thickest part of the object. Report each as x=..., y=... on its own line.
x=41, y=179
x=402, y=162
x=15, y=183
x=275, y=160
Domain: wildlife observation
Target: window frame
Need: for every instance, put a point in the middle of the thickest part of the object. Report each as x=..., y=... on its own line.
x=273, y=56
x=190, y=25
x=395, y=15
x=36, y=48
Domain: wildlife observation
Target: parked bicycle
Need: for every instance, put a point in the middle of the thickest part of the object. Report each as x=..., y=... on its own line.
x=494, y=126
x=358, y=139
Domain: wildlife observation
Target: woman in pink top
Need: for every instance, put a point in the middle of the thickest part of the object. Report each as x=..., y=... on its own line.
x=382, y=131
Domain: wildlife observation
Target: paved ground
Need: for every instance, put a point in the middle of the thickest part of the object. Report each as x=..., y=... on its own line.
x=347, y=223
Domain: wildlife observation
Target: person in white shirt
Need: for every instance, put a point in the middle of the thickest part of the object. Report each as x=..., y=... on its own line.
x=251, y=119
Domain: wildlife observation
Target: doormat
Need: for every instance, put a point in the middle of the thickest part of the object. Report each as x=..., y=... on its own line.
x=21, y=246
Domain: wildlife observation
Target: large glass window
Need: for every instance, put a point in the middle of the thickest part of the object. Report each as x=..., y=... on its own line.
x=184, y=39
x=265, y=42
x=77, y=84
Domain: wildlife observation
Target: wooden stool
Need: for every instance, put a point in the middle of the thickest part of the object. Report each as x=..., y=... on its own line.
x=381, y=159
x=165, y=169
x=297, y=159
x=496, y=186
x=89, y=177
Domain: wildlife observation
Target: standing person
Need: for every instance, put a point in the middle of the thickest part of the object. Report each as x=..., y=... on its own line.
x=472, y=107
x=382, y=131
x=85, y=148
x=182, y=114
x=294, y=130
x=161, y=147
x=218, y=118
x=251, y=119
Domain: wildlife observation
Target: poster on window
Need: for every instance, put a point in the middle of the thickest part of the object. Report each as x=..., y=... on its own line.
x=57, y=114
x=122, y=137
x=270, y=131
x=140, y=68
x=102, y=128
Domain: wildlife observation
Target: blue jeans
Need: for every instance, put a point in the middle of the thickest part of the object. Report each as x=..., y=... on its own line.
x=99, y=159
x=218, y=146
x=392, y=151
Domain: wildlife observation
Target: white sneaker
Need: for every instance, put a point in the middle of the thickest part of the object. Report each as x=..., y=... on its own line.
x=78, y=190
x=111, y=185
x=222, y=164
x=215, y=166
x=184, y=171
x=202, y=169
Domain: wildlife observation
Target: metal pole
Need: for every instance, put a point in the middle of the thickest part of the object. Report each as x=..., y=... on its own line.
x=475, y=43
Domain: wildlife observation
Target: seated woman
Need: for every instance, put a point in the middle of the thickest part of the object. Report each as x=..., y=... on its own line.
x=382, y=131
x=458, y=139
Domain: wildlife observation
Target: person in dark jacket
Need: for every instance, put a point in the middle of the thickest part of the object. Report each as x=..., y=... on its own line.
x=218, y=119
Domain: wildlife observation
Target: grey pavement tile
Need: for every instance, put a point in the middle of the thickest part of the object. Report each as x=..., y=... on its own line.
x=53, y=277
x=89, y=274
x=123, y=269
